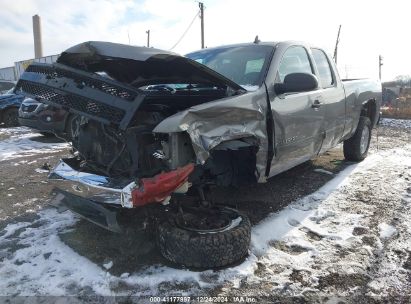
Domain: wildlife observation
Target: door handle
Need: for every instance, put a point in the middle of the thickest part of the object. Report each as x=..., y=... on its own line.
x=316, y=104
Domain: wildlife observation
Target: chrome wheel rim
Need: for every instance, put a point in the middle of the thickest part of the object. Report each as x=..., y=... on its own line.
x=364, y=139
x=198, y=221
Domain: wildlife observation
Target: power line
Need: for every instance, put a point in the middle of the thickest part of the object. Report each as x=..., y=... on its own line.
x=185, y=32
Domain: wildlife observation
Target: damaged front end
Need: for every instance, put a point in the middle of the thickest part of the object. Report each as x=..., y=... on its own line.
x=152, y=122
x=119, y=191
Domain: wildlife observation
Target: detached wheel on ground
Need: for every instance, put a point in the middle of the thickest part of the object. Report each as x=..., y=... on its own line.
x=208, y=238
x=356, y=147
x=10, y=117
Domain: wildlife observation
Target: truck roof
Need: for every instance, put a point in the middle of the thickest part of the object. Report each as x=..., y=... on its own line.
x=273, y=44
x=269, y=43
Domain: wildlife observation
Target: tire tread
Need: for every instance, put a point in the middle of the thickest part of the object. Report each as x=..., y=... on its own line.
x=197, y=250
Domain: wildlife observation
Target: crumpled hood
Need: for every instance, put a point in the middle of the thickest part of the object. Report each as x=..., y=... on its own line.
x=140, y=66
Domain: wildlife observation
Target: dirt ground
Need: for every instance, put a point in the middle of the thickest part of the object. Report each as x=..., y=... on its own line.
x=24, y=192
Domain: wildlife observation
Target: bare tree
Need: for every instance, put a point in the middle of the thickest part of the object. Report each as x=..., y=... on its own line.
x=403, y=80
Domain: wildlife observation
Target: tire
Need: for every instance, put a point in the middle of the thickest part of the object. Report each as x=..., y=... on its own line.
x=10, y=117
x=356, y=147
x=204, y=250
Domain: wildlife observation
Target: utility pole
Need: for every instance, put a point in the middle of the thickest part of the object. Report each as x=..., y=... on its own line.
x=148, y=38
x=336, y=44
x=380, y=58
x=201, y=5
x=38, y=44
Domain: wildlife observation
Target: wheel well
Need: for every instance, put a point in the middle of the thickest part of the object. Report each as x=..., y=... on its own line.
x=232, y=163
x=369, y=109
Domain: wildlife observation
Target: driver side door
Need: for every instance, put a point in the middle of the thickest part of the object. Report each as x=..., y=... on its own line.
x=298, y=116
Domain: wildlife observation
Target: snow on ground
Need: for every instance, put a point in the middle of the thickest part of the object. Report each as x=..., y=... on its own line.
x=386, y=231
x=354, y=231
x=396, y=123
x=20, y=143
x=44, y=265
x=330, y=234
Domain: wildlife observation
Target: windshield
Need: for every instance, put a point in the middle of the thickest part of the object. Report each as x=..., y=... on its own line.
x=245, y=65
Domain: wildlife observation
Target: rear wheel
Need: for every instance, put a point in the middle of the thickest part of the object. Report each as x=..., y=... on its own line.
x=205, y=237
x=356, y=147
x=10, y=117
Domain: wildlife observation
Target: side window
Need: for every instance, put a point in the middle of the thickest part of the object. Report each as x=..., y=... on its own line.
x=324, y=69
x=295, y=60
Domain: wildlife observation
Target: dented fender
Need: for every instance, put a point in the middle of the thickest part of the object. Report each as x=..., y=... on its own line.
x=213, y=123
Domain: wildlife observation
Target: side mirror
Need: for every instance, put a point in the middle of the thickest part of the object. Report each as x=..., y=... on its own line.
x=297, y=82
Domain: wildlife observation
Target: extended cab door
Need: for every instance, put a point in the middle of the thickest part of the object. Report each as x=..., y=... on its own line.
x=298, y=116
x=333, y=98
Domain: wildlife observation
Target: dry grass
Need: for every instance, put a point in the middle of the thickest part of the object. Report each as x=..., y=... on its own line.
x=400, y=108
x=396, y=113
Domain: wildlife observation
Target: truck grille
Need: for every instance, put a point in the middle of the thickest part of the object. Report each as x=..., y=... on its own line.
x=80, y=92
x=78, y=103
x=111, y=89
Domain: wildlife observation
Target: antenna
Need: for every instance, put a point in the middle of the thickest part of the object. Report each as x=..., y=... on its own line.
x=336, y=44
x=148, y=38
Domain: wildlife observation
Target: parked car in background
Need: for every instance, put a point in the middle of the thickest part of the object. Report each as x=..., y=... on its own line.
x=6, y=85
x=9, y=106
x=46, y=119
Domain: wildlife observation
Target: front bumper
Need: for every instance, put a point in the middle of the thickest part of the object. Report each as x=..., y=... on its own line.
x=96, y=197
x=97, y=188
x=124, y=192
x=101, y=215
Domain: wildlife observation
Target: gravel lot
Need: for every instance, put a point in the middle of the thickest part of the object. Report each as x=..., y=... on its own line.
x=327, y=230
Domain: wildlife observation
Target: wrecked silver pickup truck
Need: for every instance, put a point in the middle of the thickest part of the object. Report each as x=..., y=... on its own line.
x=155, y=125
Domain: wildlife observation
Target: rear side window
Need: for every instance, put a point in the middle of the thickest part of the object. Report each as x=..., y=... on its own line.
x=324, y=68
x=295, y=60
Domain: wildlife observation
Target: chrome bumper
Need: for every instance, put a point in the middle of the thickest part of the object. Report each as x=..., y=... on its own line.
x=97, y=188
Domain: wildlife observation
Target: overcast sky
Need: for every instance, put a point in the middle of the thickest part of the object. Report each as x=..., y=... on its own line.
x=369, y=28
